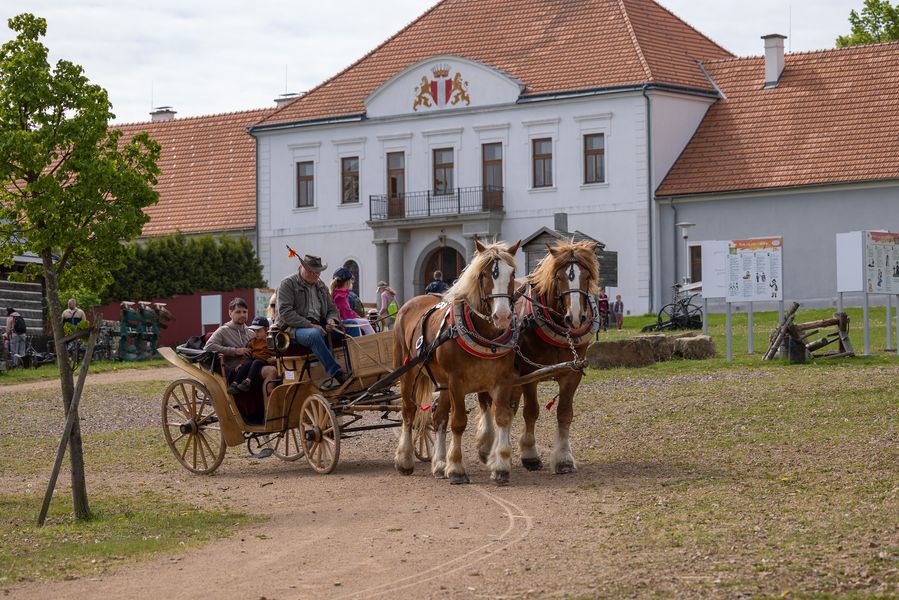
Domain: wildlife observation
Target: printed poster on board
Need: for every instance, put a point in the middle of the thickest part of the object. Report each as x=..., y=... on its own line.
x=755, y=269
x=882, y=262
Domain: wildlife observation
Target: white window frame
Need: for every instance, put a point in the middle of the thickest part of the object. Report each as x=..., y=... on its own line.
x=589, y=125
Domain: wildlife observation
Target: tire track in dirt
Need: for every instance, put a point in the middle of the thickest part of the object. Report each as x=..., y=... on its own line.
x=513, y=534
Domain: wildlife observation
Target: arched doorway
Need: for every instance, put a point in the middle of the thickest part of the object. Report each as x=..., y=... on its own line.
x=446, y=259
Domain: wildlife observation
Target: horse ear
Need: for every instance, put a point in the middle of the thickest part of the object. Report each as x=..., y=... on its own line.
x=513, y=249
x=552, y=250
x=479, y=247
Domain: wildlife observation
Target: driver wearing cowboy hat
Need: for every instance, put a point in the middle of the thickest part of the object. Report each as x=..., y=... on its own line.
x=307, y=313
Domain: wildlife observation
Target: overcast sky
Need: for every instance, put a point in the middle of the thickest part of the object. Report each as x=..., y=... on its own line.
x=204, y=56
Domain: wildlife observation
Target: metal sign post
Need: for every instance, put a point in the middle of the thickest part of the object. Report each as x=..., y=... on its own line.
x=750, y=346
x=867, y=327
x=730, y=339
x=705, y=315
x=890, y=347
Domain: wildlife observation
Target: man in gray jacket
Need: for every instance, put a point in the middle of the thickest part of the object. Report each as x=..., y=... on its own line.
x=307, y=313
x=231, y=339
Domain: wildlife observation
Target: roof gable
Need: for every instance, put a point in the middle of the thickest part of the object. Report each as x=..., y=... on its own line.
x=550, y=45
x=831, y=119
x=441, y=83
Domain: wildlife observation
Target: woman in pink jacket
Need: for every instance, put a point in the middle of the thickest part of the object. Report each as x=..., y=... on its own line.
x=340, y=292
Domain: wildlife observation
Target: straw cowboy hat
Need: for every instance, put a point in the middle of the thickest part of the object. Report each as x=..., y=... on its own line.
x=313, y=263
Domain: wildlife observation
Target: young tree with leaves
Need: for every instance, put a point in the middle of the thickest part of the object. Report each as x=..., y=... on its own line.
x=878, y=22
x=71, y=190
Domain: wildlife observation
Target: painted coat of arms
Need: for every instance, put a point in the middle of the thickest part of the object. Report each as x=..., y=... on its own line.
x=441, y=91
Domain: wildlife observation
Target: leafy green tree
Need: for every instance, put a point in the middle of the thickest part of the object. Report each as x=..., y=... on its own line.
x=878, y=22
x=70, y=188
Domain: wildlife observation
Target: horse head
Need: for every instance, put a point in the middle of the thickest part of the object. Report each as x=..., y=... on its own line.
x=570, y=277
x=488, y=282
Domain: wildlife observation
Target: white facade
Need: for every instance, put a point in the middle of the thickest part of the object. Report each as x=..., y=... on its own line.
x=618, y=211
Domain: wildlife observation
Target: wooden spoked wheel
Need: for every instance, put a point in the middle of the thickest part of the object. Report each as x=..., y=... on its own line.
x=422, y=435
x=191, y=426
x=320, y=433
x=288, y=446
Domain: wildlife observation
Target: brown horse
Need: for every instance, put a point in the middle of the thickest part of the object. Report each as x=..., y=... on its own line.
x=558, y=316
x=478, y=358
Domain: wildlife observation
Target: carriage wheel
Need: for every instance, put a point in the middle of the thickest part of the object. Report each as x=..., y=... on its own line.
x=320, y=433
x=288, y=445
x=422, y=435
x=191, y=426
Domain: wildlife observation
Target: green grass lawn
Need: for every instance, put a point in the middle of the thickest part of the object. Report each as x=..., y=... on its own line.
x=764, y=323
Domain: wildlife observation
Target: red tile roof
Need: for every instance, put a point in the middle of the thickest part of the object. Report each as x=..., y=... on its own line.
x=208, y=178
x=833, y=118
x=550, y=45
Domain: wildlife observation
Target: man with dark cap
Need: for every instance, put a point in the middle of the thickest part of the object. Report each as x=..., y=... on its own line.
x=307, y=313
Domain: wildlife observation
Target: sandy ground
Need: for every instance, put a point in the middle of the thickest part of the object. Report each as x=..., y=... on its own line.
x=125, y=375
x=366, y=532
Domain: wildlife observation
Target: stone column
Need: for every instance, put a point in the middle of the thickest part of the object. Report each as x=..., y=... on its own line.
x=381, y=260
x=469, y=246
x=395, y=257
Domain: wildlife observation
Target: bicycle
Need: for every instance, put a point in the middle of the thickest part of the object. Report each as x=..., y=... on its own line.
x=679, y=314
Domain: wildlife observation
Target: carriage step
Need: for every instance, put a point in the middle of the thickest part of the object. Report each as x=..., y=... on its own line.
x=263, y=453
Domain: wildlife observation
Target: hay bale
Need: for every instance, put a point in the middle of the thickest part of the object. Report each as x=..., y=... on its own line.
x=694, y=347
x=621, y=353
x=662, y=345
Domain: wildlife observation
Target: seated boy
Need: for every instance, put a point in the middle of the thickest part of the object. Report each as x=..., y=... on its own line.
x=249, y=373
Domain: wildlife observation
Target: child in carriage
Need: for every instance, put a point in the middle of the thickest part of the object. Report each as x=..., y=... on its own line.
x=340, y=292
x=249, y=372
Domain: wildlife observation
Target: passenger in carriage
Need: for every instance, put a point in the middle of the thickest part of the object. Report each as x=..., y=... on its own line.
x=307, y=313
x=249, y=373
x=340, y=293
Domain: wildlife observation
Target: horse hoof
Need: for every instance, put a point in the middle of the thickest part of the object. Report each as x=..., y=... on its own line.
x=404, y=470
x=500, y=477
x=458, y=478
x=565, y=467
x=532, y=464
x=483, y=457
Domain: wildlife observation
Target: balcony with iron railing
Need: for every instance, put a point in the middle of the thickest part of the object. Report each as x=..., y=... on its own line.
x=421, y=205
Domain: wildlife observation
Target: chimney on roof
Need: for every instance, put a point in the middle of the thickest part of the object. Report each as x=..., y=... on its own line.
x=560, y=222
x=774, y=58
x=287, y=98
x=162, y=113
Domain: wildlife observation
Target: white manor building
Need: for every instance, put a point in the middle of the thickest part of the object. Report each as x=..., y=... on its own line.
x=402, y=160
x=490, y=119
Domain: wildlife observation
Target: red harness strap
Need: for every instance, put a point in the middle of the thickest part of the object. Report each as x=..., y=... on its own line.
x=549, y=331
x=472, y=346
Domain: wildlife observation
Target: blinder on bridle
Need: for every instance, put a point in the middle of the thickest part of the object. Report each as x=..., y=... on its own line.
x=485, y=297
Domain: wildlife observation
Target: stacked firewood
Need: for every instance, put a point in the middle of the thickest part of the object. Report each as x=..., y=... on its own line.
x=801, y=341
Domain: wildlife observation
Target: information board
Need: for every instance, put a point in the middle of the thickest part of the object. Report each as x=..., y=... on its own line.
x=714, y=268
x=882, y=262
x=755, y=270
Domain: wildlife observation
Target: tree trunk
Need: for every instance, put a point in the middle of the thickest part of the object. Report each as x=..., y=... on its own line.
x=67, y=383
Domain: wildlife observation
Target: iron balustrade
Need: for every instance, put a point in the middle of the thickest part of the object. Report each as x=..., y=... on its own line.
x=412, y=205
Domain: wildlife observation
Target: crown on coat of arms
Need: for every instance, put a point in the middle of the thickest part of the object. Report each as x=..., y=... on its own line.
x=441, y=70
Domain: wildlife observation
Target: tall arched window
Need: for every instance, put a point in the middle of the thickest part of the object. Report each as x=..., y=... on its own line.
x=353, y=267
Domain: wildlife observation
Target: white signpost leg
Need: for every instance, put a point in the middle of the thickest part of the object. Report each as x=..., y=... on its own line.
x=750, y=345
x=705, y=316
x=897, y=319
x=890, y=347
x=780, y=310
x=840, y=302
x=730, y=340
x=867, y=326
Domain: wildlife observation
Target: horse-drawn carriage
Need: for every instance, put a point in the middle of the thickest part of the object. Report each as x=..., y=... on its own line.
x=201, y=419
x=484, y=337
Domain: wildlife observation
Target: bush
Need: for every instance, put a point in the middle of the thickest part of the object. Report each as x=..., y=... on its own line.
x=164, y=267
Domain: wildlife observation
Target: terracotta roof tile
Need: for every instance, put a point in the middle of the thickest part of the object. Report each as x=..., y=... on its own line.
x=550, y=45
x=833, y=118
x=208, y=178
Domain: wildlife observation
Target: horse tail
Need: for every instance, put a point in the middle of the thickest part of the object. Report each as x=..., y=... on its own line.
x=424, y=389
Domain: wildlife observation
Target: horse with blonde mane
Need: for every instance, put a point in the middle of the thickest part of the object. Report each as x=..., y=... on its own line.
x=476, y=324
x=558, y=317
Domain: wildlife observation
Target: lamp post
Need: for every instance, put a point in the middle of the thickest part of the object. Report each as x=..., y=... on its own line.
x=684, y=226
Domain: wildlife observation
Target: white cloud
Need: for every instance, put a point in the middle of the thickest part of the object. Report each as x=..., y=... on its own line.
x=206, y=56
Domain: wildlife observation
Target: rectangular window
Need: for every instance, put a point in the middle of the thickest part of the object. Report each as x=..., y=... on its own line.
x=594, y=158
x=443, y=171
x=543, y=163
x=349, y=177
x=396, y=174
x=492, y=170
x=695, y=263
x=305, y=185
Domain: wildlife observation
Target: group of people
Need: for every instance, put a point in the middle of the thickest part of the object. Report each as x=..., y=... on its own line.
x=606, y=309
x=309, y=312
x=16, y=329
